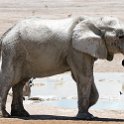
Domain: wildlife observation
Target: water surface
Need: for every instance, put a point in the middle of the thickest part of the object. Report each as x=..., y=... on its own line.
x=60, y=91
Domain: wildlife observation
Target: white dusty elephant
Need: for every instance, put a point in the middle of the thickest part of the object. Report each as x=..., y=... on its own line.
x=39, y=48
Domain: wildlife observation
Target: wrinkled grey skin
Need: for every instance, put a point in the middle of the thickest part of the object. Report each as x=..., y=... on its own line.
x=39, y=48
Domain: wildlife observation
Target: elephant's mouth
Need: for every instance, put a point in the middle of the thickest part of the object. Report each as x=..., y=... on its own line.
x=123, y=62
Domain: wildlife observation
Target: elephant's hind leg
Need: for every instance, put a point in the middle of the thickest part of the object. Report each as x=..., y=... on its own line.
x=5, y=86
x=17, y=108
x=6, y=78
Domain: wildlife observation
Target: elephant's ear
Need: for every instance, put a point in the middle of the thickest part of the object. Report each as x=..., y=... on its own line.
x=87, y=38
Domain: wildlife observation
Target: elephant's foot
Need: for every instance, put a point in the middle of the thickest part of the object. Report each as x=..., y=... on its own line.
x=5, y=114
x=19, y=113
x=85, y=116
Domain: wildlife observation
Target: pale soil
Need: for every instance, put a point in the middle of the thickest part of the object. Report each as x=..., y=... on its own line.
x=54, y=115
x=110, y=66
x=12, y=11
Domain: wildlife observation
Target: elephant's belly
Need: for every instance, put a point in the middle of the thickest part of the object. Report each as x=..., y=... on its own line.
x=42, y=67
x=46, y=59
x=43, y=71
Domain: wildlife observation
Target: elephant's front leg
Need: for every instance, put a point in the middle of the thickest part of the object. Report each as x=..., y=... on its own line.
x=84, y=85
x=94, y=95
x=82, y=71
x=17, y=108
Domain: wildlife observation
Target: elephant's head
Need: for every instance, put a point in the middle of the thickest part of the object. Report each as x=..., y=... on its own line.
x=99, y=37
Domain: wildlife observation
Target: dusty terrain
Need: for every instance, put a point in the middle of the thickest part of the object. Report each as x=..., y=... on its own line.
x=12, y=11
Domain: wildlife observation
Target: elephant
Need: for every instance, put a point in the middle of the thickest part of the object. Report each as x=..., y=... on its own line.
x=36, y=47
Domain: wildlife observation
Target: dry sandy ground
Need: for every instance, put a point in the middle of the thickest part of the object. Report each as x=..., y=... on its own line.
x=56, y=115
x=13, y=10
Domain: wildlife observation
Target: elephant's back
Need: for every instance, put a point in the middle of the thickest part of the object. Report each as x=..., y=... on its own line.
x=37, y=29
